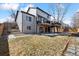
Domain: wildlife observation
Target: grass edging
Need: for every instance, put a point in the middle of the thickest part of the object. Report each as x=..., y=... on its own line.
x=65, y=48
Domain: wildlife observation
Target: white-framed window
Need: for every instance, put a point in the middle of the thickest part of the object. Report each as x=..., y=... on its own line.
x=28, y=27
x=28, y=18
x=39, y=18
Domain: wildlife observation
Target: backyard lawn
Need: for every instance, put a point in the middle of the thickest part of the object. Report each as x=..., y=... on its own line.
x=37, y=45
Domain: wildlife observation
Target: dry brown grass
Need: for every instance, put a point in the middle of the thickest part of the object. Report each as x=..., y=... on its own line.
x=37, y=45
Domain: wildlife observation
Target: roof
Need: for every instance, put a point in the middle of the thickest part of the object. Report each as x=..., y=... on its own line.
x=16, y=15
x=27, y=13
x=31, y=14
x=38, y=9
x=22, y=12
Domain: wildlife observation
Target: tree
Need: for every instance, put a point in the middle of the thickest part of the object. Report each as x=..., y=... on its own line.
x=76, y=20
x=12, y=13
x=11, y=19
x=58, y=11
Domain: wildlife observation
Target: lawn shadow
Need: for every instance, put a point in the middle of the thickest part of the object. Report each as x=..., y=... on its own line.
x=75, y=34
x=4, y=46
x=57, y=34
x=48, y=34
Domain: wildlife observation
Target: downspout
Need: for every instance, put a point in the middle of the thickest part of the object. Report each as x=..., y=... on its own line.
x=36, y=20
x=36, y=24
x=22, y=22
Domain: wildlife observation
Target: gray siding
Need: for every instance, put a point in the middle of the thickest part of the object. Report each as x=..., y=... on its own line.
x=32, y=11
x=31, y=23
x=19, y=21
x=41, y=13
x=38, y=12
x=23, y=22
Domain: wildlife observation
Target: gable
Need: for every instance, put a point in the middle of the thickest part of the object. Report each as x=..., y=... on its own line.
x=37, y=11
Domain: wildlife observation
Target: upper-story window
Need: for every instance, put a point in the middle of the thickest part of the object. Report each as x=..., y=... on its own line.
x=28, y=18
x=47, y=16
x=44, y=19
x=39, y=18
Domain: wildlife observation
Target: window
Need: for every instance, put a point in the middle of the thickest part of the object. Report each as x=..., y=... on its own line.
x=29, y=18
x=41, y=30
x=28, y=27
x=48, y=16
x=40, y=18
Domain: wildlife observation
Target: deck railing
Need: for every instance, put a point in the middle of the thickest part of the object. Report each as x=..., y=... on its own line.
x=42, y=22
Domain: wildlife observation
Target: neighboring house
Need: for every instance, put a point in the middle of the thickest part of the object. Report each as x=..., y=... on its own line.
x=76, y=20
x=35, y=20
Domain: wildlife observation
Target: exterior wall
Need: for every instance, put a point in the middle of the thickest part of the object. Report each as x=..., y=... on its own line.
x=32, y=11
x=19, y=21
x=76, y=20
x=38, y=29
x=31, y=23
x=23, y=23
x=77, y=29
x=41, y=13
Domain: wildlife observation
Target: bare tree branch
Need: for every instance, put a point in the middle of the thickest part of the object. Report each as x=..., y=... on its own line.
x=75, y=19
x=53, y=11
x=13, y=12
x=64, y=13
x=59, y=12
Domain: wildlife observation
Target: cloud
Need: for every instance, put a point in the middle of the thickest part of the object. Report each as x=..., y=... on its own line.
x=3, y=20
x=10, y=19
x=68, y=21
x=60, y=5
x=77, y=11
x=7, y=19
x=7, y=6
x=26, y=8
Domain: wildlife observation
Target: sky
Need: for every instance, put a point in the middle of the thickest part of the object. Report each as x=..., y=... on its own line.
x=5, y=7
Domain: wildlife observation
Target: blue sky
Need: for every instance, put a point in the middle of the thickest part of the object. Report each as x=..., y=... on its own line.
x=4, y=11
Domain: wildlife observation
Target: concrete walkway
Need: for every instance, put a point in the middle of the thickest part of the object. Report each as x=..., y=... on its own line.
x=12, y=36
x=18, y=35
x=72, y=50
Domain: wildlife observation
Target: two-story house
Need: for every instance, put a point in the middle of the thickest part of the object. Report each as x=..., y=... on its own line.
x=35, y=20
